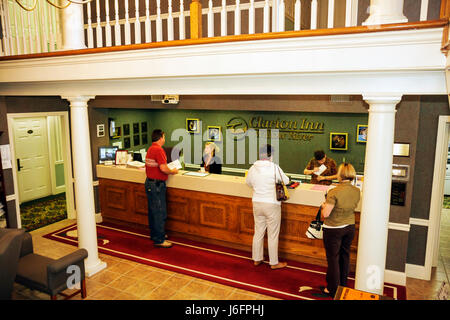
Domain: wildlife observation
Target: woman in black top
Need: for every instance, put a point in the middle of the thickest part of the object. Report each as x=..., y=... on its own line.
x=210, y=162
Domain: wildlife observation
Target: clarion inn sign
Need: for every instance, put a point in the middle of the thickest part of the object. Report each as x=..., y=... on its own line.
x=301, y=129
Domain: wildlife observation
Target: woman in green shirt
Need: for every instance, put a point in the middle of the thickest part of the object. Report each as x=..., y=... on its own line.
x=339, y=227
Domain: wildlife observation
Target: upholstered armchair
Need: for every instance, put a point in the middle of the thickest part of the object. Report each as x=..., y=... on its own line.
x=49, y=275
x=10, y=244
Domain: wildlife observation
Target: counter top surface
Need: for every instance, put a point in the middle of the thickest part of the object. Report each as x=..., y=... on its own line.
x=305, y=193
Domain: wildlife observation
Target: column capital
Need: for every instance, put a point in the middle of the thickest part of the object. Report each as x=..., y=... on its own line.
x=78, y=101
x=373, y=99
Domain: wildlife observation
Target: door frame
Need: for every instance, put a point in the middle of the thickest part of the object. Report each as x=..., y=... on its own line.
x=67, y=154
x=437, y=195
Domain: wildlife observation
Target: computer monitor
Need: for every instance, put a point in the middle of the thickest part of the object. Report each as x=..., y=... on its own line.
x=137, y=156
x=107, y=153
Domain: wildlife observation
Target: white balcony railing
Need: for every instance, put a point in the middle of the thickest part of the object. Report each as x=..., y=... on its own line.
x=124, y=22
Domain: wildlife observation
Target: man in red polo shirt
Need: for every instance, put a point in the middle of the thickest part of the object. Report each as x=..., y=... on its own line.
x=155, y=188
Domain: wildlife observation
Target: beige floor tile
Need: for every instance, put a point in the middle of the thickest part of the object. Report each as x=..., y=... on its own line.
x=106, y=277
x=160, y=293
x=106, y=293
x=140, y=288
x=196, y=288
x=122, y=283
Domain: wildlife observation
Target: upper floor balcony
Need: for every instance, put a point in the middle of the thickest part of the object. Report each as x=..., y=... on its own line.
x=305, y=46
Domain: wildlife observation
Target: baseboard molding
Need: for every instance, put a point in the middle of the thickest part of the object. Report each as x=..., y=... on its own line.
x=417, y=272
x=98, y=217
x=395, y=277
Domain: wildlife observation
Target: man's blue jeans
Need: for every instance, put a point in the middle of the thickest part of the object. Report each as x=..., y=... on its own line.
x=157, y=209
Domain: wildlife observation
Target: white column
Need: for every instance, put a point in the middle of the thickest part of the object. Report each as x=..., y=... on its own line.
x=84, y=192
x=373, y=228
x=382, y=12
x=72, y=27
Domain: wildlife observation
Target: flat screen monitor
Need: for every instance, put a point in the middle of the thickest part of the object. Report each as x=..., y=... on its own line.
x=137, y=156
x=107, y=154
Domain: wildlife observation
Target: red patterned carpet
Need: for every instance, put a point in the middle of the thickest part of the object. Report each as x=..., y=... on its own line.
x=214, y=263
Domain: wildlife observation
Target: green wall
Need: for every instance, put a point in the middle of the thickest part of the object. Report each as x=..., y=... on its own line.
x=294, y=154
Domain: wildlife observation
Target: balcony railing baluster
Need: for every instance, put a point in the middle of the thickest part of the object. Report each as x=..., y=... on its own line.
x=28, y=32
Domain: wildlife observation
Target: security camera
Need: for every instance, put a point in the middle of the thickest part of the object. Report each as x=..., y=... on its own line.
x=170, y=99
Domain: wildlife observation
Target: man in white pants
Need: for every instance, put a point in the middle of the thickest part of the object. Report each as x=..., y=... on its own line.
x=266, y=208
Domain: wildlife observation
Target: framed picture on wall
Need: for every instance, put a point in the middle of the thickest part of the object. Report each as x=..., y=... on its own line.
x=192, y=125
x=361, y=133
x=126, y=129
x=338, y=141
x=127, y=143
x=214, y=133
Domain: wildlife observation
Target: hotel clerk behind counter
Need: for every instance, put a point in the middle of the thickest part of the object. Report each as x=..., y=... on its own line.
x=322, y=169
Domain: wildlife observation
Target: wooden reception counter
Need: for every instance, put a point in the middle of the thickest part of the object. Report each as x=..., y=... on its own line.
x=215, y=209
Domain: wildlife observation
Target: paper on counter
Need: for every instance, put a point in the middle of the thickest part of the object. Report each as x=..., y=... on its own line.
x=322, y=168
x=174, y=165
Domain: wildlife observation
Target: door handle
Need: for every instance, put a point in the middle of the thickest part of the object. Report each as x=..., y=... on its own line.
x=18, y=165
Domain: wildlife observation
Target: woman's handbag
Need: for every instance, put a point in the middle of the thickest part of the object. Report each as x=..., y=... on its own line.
x=280, y=188
x=315, y=229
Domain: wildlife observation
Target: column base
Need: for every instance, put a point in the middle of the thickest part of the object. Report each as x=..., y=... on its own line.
x=99, y=266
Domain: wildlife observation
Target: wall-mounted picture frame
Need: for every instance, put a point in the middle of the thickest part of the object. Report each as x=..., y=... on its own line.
x=135, y=127
x=338, y=141
x=121, y=157
x=192, y=125
x=127, y=143
x=126, y=129
x=144, y=126
x=136, y=140
x=361, y=133
x=214, y=133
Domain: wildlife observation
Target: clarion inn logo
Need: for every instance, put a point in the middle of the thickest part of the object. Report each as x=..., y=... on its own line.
x=301, y=129
x=237, y=125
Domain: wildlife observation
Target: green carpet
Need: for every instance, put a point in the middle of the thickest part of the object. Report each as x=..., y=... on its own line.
x=446, y=204
x=41, y=212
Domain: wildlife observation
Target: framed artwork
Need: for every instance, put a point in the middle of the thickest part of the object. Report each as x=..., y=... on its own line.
x=126, y=129
x=136, y=140
x=192, y=125
x=144, y=126
x=338, y=141
x=127, y=143
x=144, y=138
x=121, y=157
x=136, y=127
x=361, y=133
x=214, y=133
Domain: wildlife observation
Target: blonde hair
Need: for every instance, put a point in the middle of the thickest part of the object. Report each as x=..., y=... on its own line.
x=214, y=147
x=346, y=172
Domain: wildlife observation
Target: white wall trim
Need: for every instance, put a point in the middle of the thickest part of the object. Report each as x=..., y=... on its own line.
x=395, y=277
x=437, y=194
x=419, y=222
x=417, y=272
x=399, y=226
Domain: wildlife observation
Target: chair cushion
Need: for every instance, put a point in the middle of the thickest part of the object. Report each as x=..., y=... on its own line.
x=32, y=271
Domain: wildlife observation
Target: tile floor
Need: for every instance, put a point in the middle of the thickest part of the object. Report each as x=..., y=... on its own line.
x=127, y=280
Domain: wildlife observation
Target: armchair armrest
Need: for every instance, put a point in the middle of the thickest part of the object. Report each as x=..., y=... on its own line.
x=62, y=263
x=27, y=245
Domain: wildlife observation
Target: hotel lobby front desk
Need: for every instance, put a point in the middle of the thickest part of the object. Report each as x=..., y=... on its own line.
x=215, y=209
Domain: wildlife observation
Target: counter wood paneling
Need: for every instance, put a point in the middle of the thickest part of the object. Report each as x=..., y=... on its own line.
x=210, y=216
